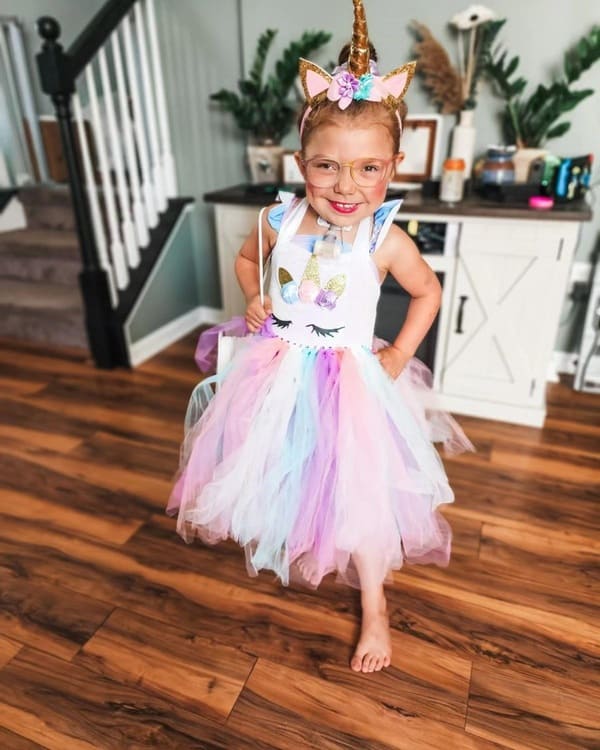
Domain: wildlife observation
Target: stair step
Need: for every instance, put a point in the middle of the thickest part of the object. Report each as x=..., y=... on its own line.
x=48, y=208
x=40, y=255
x=52, y=313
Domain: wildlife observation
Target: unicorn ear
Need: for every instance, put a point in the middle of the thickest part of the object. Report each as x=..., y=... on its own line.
x=311, y=272
x=314, y=80
x=398, y=81
x=336, y=284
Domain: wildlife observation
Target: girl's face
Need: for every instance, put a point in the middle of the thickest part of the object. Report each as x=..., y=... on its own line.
x=345, y=203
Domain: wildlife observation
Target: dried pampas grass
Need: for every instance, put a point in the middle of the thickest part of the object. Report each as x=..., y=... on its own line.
x=439, y=75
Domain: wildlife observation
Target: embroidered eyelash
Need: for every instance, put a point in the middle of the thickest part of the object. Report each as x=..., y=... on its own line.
x=281, y=323
x=325, y=332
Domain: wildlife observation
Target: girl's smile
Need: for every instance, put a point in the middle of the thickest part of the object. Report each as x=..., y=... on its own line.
x=346, y=142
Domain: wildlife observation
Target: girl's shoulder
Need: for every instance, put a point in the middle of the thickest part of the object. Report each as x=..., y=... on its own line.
x=278, y=211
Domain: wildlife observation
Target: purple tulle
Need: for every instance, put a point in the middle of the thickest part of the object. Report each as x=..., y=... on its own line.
x=206, y=349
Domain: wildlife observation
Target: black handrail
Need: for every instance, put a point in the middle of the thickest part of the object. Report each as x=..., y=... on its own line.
x=96, y=33
x=58, y=71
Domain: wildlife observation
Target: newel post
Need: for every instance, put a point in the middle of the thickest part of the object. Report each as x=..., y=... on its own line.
x=58, y=81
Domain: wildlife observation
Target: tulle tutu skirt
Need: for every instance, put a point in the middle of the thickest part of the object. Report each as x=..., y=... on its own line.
x=316, y=456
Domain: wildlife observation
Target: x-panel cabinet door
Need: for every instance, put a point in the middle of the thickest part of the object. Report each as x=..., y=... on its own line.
x=503, y=318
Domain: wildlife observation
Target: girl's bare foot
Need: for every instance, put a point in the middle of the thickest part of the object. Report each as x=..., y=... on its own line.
x=374, y=648
x=309, y=570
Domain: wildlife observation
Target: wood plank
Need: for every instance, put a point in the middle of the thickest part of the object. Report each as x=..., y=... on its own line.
x=21, y=414
x=285, y=729
x=49, y=617
x=310, y=631
x=128, y=425
x=353, y=712
x=151, y=491
x=575, y=468
x=20, y=386
x=8, y=649
x=500, y=494
x=493, y=635
x=61, y=705
x=11, y=741
x=541, y=713
x=495, y=589
x=529, y=583
x=63, y=517
x=107, y=450
x=43, y=478
x=176, y=664
x=11, y=436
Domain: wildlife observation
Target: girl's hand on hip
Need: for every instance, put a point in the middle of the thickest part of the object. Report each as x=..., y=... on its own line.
x=393, y=360
x=256, y=314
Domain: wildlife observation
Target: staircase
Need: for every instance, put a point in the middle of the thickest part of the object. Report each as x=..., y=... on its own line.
x=40, y=298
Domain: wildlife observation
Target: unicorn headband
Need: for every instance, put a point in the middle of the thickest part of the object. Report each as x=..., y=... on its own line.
x=358, y=79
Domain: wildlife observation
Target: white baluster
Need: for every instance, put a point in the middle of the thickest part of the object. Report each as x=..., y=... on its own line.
x=19, y=56
x=94, y=203
x=168, y=162
x=138, y=123
x=143, y=236
x=158, y=178
x=25, y=174
x=117, y=251
x=131, y=248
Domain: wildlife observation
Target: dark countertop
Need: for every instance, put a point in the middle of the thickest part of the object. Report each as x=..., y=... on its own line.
x=415, y=204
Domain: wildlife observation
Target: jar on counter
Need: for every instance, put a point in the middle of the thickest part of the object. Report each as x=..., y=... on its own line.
x=453, y=180
x=499, y=167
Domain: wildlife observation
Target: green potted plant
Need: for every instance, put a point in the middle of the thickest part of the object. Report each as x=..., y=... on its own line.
x=530, y=122
x=263, y=106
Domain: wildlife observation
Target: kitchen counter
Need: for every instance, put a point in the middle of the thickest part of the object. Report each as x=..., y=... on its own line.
x=415, y=204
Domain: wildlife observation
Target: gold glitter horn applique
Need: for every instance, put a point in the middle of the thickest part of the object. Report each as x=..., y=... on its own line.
x=309, y=290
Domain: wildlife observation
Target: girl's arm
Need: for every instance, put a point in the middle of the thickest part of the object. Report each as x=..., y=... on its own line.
x=247, y=272
x=400, y=256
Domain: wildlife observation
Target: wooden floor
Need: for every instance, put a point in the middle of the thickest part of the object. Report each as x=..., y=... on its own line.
x=115, y=634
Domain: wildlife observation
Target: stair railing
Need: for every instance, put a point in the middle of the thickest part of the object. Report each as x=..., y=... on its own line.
x=114, y=65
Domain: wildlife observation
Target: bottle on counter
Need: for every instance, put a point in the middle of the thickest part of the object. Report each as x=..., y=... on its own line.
x=452, y=184
x=499, y=167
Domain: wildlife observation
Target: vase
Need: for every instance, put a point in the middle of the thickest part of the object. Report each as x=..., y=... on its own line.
x=265, y=161
x=463, y=140
x=522, y=159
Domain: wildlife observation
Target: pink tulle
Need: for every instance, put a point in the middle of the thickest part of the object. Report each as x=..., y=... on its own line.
x=315, y=460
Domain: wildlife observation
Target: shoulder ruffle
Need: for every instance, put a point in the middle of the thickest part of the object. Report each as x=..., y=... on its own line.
x=276, y=214
x=382, y=218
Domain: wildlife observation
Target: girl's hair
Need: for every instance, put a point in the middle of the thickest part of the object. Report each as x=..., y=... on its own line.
x=327, y=111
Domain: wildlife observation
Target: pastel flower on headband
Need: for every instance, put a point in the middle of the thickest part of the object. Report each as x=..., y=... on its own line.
x=343, y=88
x=365, y=85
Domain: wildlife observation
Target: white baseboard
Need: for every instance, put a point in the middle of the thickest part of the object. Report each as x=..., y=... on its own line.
x=155, y=342
x=562, y=362
x=13, y=216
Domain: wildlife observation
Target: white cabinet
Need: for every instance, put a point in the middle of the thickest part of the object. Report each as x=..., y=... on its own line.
x=233, y=225
x=509, y=282
x=504, y=285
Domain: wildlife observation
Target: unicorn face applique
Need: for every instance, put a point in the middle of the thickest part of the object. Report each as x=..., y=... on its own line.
x=309, y=290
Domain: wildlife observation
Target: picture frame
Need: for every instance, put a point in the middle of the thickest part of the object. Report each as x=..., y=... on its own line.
x=421, y=145
x=291, y=171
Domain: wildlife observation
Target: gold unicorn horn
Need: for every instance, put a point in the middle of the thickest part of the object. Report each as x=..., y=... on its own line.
x=358, y=61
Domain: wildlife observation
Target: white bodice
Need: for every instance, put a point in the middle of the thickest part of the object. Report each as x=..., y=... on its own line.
x=320, y=301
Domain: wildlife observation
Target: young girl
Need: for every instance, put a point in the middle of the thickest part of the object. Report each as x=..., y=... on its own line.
x=316, y=453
